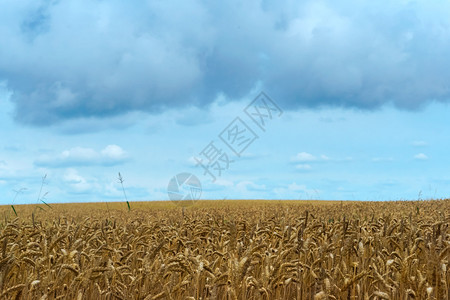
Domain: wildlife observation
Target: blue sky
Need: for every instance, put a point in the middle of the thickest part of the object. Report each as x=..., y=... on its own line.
x=89, y=89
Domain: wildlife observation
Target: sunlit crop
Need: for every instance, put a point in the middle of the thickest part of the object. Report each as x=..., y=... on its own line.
x=227, y=250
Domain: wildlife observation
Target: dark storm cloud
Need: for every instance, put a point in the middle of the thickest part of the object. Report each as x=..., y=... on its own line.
x=74, y=59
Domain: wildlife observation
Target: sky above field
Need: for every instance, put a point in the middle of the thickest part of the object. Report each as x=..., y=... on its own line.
x=355, y=99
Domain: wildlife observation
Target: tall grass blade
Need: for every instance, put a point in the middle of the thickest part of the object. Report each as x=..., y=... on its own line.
x=121, y=180
x=46, y=203
x=14, y=210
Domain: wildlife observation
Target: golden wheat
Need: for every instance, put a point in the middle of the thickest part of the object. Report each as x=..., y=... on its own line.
x=228, y=250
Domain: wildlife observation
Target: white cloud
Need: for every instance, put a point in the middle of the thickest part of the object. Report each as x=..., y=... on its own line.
x=114, y=152
x=112, y=190
x=420, y=156
x=304, y=160
x=303, y=167
x=303, y=157
x=72, y=176
x=77, y=184
x=192, y=162
x=248, y=186
x=79, y=156
x=297, y=187
x=224, y=183
x=419, y=143
x=296, y=191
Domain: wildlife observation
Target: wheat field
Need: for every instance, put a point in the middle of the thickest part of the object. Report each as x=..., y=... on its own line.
x=227, y=250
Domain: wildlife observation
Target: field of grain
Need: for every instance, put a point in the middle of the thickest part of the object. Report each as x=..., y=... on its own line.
x=227, y=250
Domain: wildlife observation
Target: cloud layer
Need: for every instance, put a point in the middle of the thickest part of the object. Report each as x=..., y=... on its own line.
x=111, y=155
x=77, y=59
